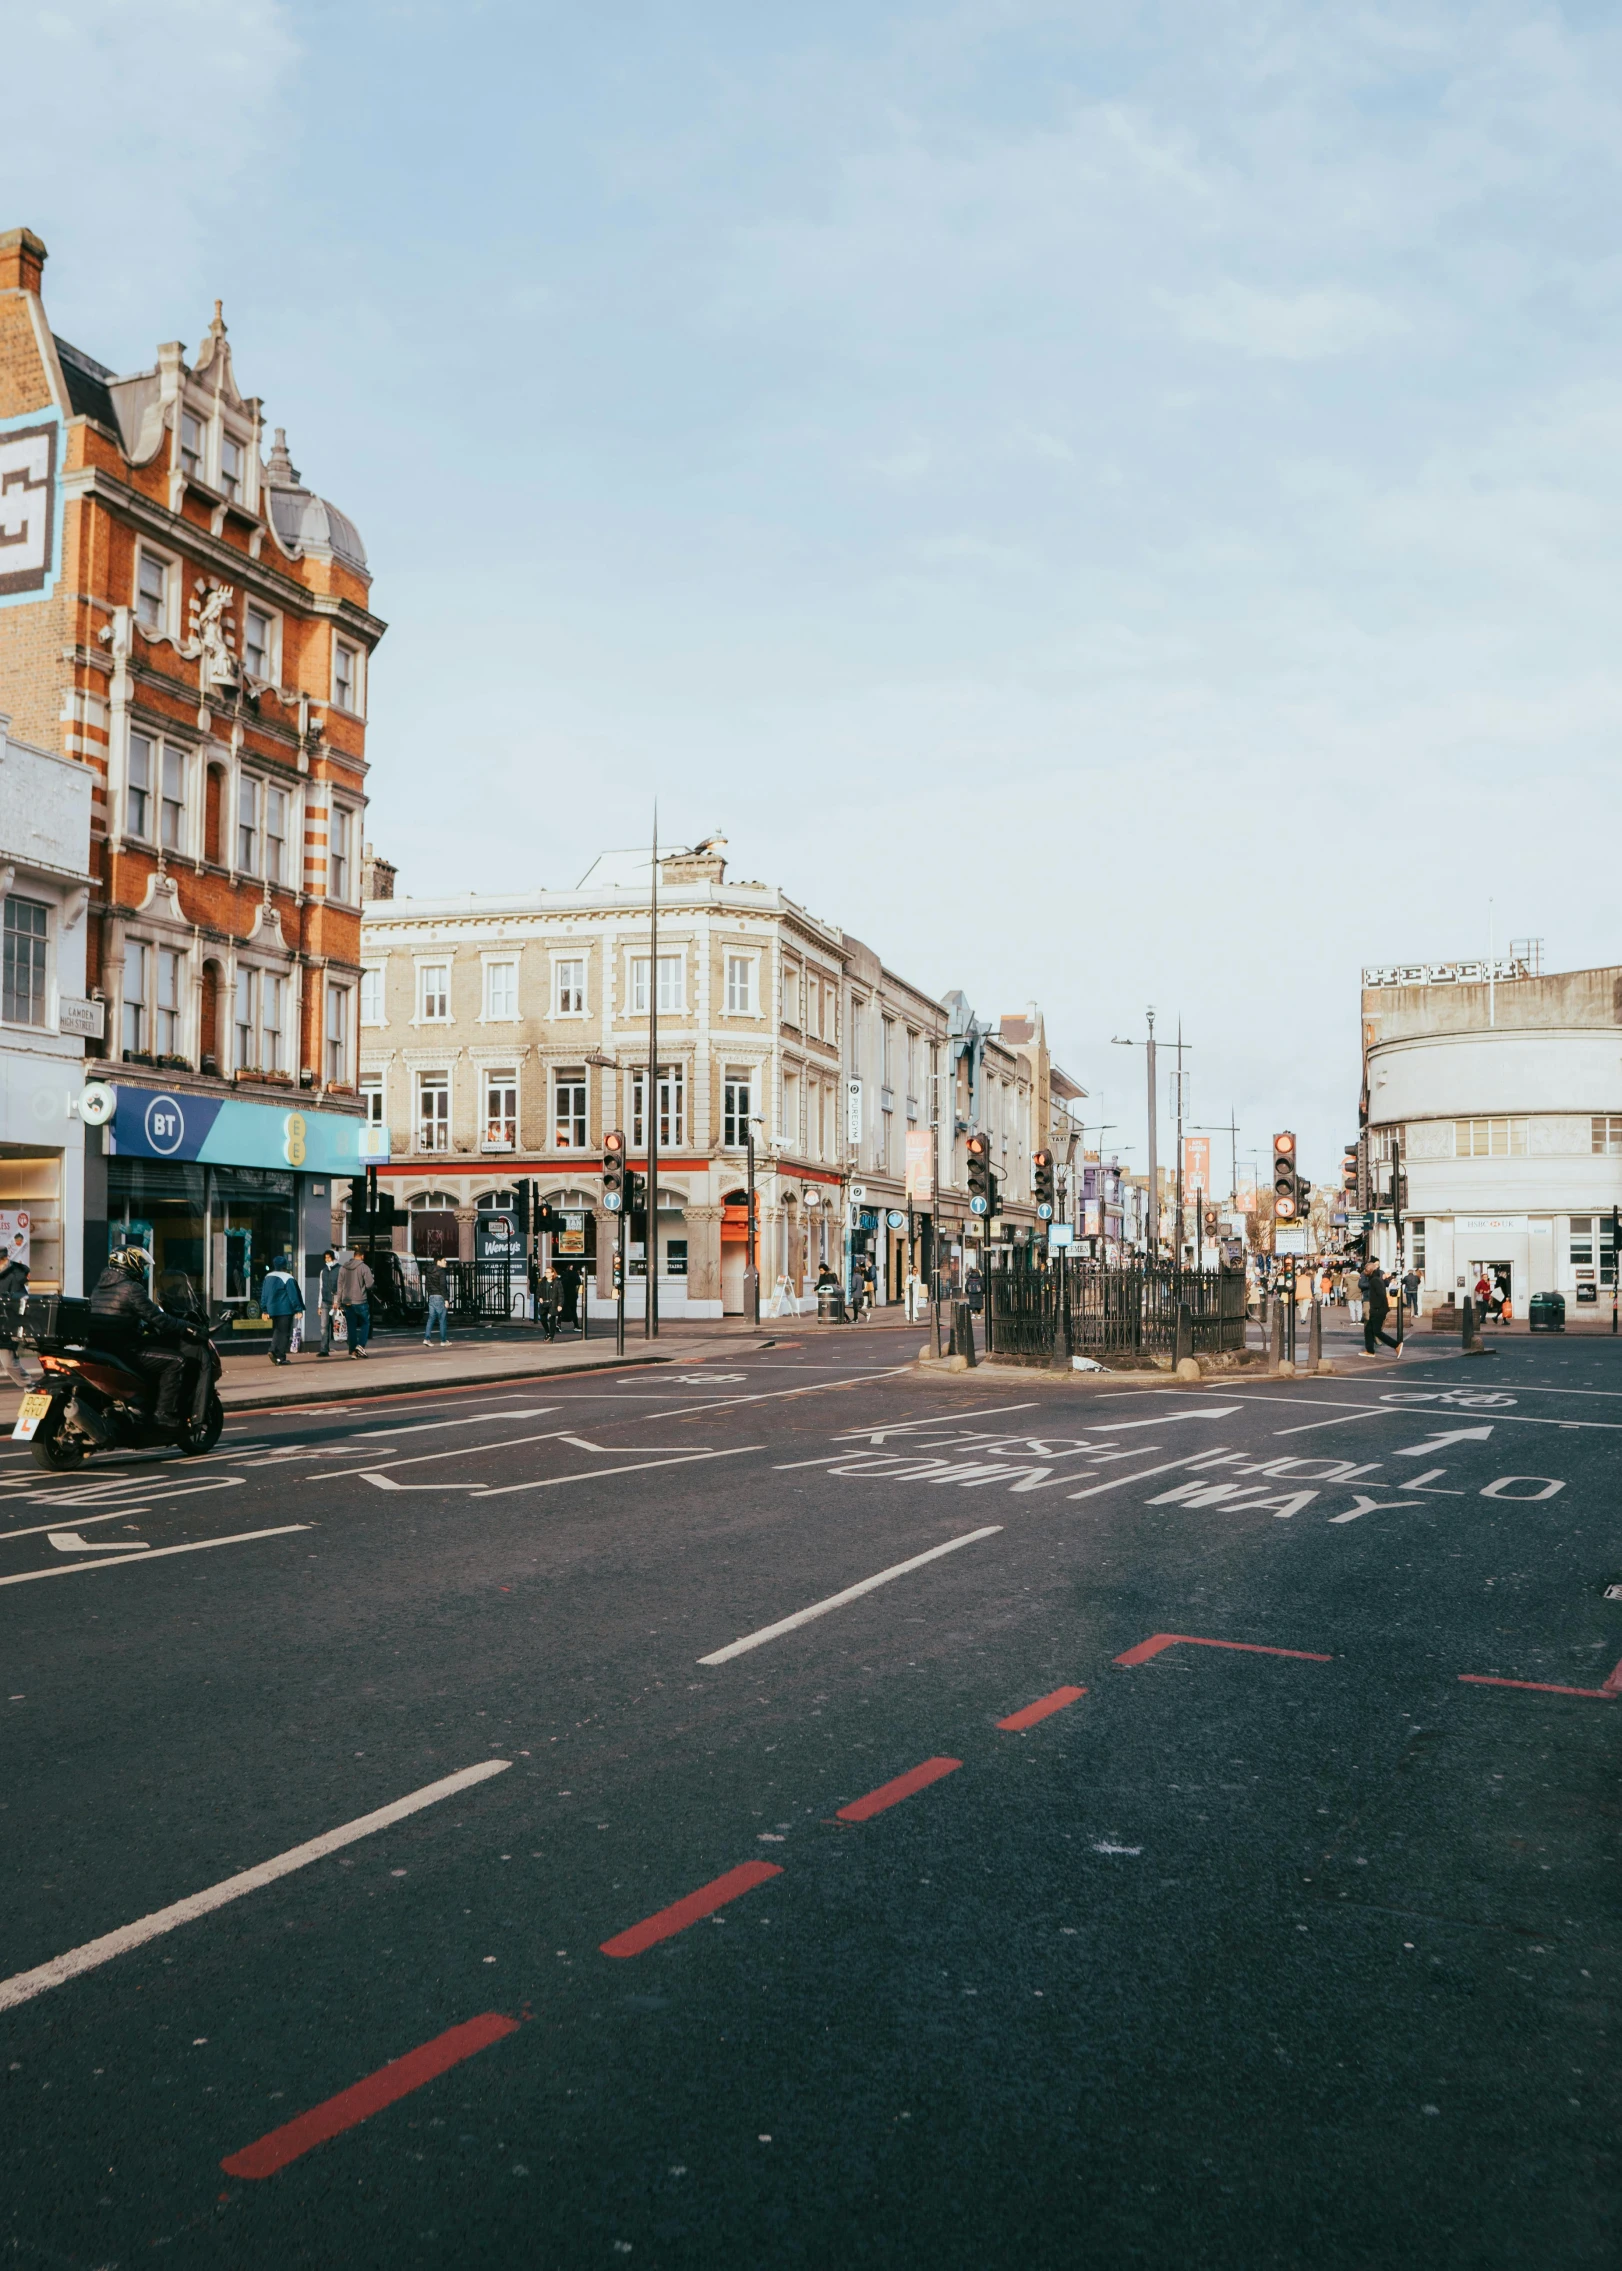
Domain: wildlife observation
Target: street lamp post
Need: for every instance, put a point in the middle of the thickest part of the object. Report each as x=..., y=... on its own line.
x=751, y=1268
x=1154, y=1156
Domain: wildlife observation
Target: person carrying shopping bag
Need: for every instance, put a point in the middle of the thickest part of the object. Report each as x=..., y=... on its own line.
x=354, y=1284
x=282, y=1302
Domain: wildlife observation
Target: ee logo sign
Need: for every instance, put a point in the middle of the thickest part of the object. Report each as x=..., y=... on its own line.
x=293, y=1146
x=165, y=1126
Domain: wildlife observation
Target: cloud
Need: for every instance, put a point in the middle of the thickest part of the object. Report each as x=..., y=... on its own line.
x=1290, y=327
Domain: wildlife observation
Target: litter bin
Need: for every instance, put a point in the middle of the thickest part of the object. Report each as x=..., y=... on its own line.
x=1546, y=1313
x=830, y=1305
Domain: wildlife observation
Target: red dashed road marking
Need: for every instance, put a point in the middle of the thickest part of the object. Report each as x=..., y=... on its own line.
x=1043, y=1708
x=891, y=1793
x=362, y=2099
x=667, y=1922
x=1158, y=1640
x=1611, y=1692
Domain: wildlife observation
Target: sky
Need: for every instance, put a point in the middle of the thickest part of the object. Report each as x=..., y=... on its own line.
x=1115, y=505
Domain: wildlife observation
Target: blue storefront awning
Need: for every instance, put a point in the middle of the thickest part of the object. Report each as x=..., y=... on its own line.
x=155, y=1123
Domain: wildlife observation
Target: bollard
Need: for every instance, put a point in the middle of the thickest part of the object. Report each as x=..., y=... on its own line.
x=1183, y=1346
x=1474, y=1345
x=1315, y=1337
x=963, y=1331
x=1275, y=1334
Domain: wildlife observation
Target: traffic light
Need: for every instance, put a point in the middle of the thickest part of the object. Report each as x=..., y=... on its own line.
x=1042, y=1176
x=613, y=1171
x=1212, y=1224
x=1286, y=1195
x=1351, y=1172
x=978, y=1148
x=521, y=1211
x=636, y=1191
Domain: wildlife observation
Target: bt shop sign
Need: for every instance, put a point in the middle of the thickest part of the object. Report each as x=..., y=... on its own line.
x=148, y=1123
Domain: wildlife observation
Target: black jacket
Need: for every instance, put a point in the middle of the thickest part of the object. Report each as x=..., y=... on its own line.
x=434, y=1281
x=1371, y=1285
x=120, y=1303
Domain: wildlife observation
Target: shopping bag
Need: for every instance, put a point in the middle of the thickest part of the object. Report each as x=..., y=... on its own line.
x=340, y=1326
x=297, y=1341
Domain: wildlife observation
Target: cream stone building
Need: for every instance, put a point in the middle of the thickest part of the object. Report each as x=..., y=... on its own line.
x=501, y=1037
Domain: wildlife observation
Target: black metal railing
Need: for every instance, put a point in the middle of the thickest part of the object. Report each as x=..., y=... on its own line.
x=484, y=1289
x=1049, y=1313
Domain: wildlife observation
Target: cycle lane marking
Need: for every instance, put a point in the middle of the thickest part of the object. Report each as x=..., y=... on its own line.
x=149, y=1554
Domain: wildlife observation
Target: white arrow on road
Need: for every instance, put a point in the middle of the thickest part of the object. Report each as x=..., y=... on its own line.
x=69, y=1541
x=1441, y=1442
x=1206, y=1411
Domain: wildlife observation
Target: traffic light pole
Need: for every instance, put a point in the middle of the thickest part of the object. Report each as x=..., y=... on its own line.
x=751, y=1286
x=650, y=1241
x=619, y=1287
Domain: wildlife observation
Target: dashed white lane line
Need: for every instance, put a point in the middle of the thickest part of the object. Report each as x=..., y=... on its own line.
x=851, y=1593
x=23, y=1986
x=151, y=1553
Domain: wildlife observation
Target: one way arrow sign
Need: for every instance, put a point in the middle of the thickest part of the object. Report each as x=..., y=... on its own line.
x=1441, y=1442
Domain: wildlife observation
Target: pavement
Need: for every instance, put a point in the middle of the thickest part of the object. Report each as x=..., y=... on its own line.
x=780, y=1808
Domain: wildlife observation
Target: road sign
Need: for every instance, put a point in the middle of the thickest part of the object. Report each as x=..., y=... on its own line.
x=612, y=1202
x=858, y=1192
x=895, y=1219
x=1044, y=1212
x=1289, y=1241
x=1061, y=1234
x=979, y=1205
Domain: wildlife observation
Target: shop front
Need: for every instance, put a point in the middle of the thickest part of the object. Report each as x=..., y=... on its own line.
x=214, y=1187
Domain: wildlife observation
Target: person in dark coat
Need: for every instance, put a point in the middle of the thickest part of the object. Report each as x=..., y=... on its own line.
x=974, y=1290
x=1376, y=1308
x=132, y=1324
x=354, y=1284
x=549, y=1302
x=437, y=1286
x=327, y=1298
x=282, y=1302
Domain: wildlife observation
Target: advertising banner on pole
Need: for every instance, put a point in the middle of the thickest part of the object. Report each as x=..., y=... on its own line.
x=920, y=1181
x=1196, y=1163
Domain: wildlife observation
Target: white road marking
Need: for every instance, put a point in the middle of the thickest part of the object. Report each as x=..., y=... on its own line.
x=1142, y=1474
x=1165, y=1419
x=1441, y=1442
x=85, y=1521
x=152, y=1553
x=69, y=1541
x=1367, y=1506
x=618, y=1450
x=23, y=1986
x=1405, y=1411
x=851, y=1593
x=550, y=1482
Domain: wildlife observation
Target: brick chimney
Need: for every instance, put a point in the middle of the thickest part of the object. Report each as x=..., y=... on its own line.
x=22, y=261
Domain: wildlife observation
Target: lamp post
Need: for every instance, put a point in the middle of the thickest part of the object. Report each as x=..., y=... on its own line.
x=751, y=1267
x=1154, y=1168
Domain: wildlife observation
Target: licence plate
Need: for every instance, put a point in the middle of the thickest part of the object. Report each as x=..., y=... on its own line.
x=34, y=1408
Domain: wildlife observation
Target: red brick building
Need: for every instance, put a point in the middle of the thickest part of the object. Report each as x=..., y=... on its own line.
x=183, y=616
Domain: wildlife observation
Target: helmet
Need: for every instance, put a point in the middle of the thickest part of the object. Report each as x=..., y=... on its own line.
x=135, y=1259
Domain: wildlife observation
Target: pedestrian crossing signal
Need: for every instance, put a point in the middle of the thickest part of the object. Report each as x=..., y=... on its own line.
x=1286, y=1182
x=613, y=1171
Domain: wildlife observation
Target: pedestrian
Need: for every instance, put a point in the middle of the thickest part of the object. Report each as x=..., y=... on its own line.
x=1410, y=1289
x=354, y=1284
x=437, y=1286
x=281, y=1301
x=326, y=1298
x=1375, y=1308
x=974, y=1286
x=14, y=1287
x=549, y=1301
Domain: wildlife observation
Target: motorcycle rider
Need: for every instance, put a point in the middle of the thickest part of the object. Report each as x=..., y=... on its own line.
x=126, y=1312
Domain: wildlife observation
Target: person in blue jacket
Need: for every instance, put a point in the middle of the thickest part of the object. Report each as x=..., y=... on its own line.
x=281, y=1301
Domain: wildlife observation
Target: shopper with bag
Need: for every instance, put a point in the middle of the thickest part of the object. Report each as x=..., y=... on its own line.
x=282, y=1302
x=354, y=1284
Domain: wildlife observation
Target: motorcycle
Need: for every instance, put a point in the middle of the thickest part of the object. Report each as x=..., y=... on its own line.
x=96, y=1398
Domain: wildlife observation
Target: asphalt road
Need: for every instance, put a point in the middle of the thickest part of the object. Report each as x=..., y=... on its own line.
x=1290, y=1939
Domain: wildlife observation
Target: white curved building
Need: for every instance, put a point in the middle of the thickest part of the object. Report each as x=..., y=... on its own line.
x=1505, y=1092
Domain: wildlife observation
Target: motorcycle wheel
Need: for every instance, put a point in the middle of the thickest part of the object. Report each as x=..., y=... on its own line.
x=202, y=1435
x=53, y=1450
